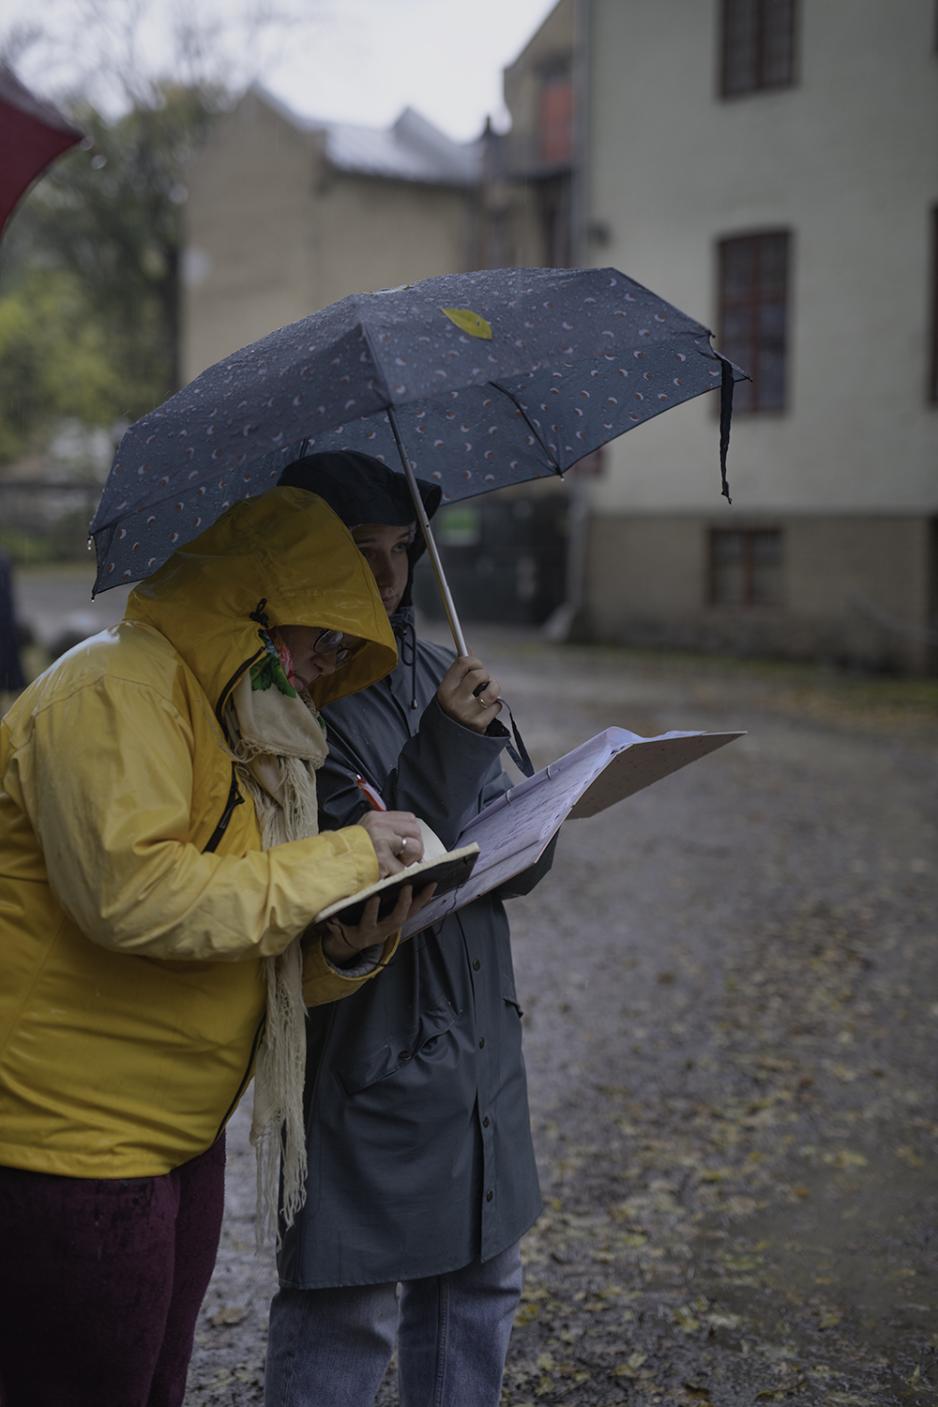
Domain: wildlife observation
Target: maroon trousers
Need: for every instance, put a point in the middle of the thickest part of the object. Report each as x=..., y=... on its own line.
x=101, y=1283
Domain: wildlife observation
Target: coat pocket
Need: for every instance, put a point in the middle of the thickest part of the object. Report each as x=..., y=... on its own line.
x=393, y=1055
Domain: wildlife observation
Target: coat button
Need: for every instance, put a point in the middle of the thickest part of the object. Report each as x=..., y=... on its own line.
x=489, y=1195
x=404, y=1054
x=476, y=965
x=486, y=1121
x=482, y=1043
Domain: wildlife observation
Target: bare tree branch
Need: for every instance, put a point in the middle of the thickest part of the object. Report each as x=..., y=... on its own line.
x=117, y=53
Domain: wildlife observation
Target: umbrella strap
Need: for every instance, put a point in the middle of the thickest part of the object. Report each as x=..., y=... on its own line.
x=726, y=416
x=519, y=753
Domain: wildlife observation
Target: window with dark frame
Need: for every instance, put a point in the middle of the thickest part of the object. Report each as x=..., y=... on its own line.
x=757, y=45
x=752, y=316
x=555, y=115
x=745, y=567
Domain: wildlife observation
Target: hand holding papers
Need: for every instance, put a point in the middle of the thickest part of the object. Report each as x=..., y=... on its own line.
x=513, y=832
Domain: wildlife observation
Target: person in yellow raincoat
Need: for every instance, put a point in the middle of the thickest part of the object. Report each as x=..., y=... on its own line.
x=159, y=866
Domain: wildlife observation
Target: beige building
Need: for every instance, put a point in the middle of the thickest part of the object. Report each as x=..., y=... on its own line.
x=286, y=215
x=751, y=161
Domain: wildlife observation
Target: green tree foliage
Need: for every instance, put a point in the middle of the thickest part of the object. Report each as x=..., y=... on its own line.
x=55, y=361
x=110, y=216
x=90, y=263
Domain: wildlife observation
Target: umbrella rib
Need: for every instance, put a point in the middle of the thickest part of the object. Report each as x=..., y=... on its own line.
x=379, y=369
x=551, y=459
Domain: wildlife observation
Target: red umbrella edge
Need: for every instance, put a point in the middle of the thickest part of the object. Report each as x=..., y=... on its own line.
x=32, y=134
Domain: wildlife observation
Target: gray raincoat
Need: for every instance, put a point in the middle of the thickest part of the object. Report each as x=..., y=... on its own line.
x=420, y=1151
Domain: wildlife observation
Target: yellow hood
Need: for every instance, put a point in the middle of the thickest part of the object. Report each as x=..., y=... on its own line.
x=288, y=549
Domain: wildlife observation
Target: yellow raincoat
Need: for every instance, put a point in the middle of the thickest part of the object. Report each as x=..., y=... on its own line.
x=135, y=900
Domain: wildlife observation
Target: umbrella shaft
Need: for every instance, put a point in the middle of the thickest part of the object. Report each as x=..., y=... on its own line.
x=449, y=605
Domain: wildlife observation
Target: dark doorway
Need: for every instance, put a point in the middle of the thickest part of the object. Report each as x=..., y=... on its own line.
x=505, y=558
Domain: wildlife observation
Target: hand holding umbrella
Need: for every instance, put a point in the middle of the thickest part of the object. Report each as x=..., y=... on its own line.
x=469, y=694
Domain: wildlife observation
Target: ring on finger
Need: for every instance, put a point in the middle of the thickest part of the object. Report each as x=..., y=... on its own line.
x=403, y=845
x=482, y=702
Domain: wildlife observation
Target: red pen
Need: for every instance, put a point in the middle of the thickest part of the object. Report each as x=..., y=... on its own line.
x=369, y=793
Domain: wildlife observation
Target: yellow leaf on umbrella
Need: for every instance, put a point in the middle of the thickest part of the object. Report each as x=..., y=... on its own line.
x=468, y=321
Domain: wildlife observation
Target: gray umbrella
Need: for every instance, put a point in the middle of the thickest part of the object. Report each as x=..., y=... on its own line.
x=474, y=381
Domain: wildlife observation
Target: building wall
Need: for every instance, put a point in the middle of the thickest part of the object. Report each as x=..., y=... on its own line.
x=852, y=171
x=273, y=232
x=853, y=587
x=849, y=470
x=374, y=233
x=550, y=48
x=251, y=255
x=551, y=44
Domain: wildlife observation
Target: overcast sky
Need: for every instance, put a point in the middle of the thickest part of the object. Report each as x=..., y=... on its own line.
x=352, y=60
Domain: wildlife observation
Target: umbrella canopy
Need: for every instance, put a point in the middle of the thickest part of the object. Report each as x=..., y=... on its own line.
x=32, y=134
x=472, y=381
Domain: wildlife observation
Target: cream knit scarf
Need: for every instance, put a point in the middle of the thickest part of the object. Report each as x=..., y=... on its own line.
x=278, y=742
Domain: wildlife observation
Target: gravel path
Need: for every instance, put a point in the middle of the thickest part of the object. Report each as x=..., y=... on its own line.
x=731, y=1018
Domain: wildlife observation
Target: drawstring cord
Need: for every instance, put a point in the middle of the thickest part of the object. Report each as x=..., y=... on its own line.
x=406, y=634
x=407, y=638
x=726, y=417
x=519, y=753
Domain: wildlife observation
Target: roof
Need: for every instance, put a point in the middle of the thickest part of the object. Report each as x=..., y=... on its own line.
x=411, y=149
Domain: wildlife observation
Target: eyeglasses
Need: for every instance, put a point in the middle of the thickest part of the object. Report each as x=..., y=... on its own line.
x=329, y=642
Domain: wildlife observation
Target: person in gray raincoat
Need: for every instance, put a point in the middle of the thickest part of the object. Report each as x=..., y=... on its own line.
x=421, y=1164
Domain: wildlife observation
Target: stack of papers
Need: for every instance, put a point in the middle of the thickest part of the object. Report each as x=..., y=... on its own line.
x=513, y=832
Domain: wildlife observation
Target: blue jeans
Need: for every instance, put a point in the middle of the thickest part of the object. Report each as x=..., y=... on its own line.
x=331, y=1348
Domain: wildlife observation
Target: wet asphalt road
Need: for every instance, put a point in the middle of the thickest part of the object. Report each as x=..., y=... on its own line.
x=731, y=1029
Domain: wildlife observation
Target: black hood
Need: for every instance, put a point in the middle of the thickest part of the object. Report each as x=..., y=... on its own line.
x=360, y=489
